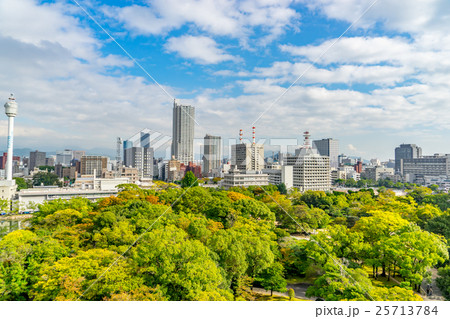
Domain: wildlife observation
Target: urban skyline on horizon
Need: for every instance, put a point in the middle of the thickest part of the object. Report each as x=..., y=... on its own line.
x=385, y=80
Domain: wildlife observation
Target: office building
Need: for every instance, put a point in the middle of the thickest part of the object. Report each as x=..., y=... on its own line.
x=140, y=158
x=236, y=178
x=140, y=139
x=280, y=175
x=93, y=164
x=406, y=151
x=183, y=133
x=311, y=170
x=76, y=155
x=212, y=154
x=248, y=157
x=36, y=159
x=137, y=152
x=378, y=172
x=173, y=170
x=50, y=161
x=64, y=157
x=130, y=173
x=328, y=147
x=419, y=168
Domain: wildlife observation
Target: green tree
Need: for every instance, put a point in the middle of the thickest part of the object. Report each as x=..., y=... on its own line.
x=47, y=168
x=394, y=294
x=272, y=278
x=189, y=180
x=439, y=225
x=46, y=179
x=22, y=255
x=434, y=187
x=416, y=250
x=291, y=293
x=73, y=277
x=21, y=183
x=341, y=284
x=419, y=193
x=282, y=188
x=443, y=281
x=181, y=266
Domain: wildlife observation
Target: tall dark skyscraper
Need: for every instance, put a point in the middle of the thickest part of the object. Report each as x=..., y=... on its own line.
x=212, y=153
x=328, y=147
x=183, y=133
x=406, y=151
x=36, y=159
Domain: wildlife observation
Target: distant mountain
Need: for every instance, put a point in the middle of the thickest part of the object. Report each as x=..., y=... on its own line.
x=94, y=151
x=21, y=152
x=111, y=153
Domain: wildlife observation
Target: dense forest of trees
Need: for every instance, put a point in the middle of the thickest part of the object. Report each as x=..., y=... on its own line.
x=175, y=243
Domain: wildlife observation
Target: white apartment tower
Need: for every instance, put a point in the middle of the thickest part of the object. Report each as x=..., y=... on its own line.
x=183, y=133
x=311, y=170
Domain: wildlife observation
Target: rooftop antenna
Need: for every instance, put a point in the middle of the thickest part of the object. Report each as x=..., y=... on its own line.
x=254, y=136
x=307, y=143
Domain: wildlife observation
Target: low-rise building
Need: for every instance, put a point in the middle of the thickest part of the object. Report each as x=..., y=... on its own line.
x=35, y=196
x=245, y=179
x=280, y=175
x=378, y=172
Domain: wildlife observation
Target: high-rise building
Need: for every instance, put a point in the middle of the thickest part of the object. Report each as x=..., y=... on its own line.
x=91, y=164
x=137, y=153
x=140, y=158
x=248, y=157
x=78, y=154
x=247, y=162
x=212, y=153
x=64, y=157
x=311, y=170
x=406, y=151
x=183, y=133
x=50, y=161
x=328, y=147
x=37, y=159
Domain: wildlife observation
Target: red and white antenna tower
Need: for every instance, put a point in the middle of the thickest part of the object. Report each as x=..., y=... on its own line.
x=240, y=136
x=307, y=143
x=254, y=136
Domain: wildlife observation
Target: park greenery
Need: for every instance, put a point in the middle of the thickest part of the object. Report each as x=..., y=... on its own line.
x=379, y=183
x=195, y=243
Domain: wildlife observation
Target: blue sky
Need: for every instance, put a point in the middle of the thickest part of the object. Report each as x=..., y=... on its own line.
x=384, y=82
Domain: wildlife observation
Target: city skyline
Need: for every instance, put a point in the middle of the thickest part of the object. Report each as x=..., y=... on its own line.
x=384, y=83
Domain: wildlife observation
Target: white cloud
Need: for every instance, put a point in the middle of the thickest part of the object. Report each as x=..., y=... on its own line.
x=202, y=49
x=231, y=18
x=418, y=17
x=365, y=50
x=65, y=101
x=352, y=148
x=49, y=23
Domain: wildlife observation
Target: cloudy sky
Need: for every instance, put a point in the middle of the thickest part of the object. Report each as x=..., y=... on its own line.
x=372, y=74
